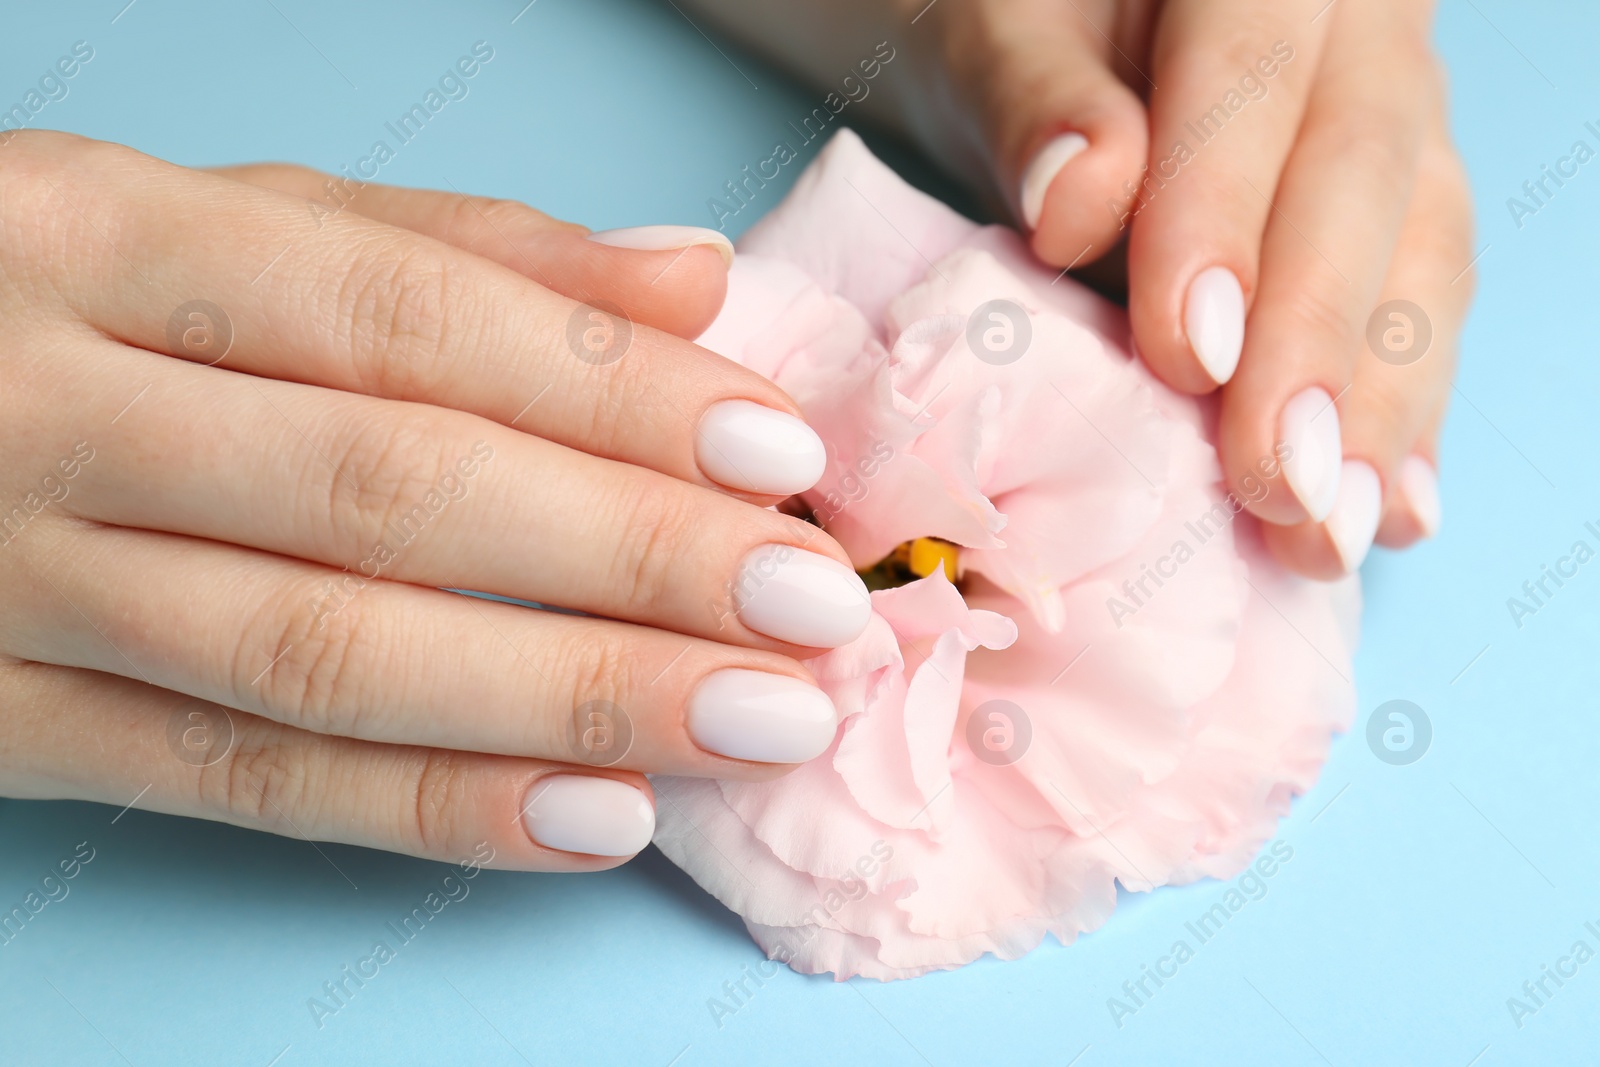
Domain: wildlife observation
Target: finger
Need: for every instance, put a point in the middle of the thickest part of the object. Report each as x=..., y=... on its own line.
x=352, y=304
x=1062, y=130
x=1233, y=77
x=1402, y=381
x=671, y=277
x=78, y=735
x=1414, y=511
x=1335, y=220
x=438, y=497
x=381, y=661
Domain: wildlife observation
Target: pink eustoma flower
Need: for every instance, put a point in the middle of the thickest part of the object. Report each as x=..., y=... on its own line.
x=1121, y=686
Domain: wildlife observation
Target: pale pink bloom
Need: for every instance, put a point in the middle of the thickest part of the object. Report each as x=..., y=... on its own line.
x=1172, y=699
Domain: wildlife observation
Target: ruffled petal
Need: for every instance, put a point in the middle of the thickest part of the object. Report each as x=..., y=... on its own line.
x=1168, y=686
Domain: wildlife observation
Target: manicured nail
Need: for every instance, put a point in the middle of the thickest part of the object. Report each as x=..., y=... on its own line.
x=1213, y=317
x=1419, y=483
x=1309, y=425
x=1353, y=522
x=756, y=715
x=592, y=815
x=665, y=239
x=801, y=597
x=1043, y=170
x=749, y=446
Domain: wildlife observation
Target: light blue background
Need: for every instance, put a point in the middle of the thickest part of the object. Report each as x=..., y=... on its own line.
x=1419, y=897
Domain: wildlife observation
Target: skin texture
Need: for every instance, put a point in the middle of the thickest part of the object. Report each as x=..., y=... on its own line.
x=1331, y=188
x=193, y=532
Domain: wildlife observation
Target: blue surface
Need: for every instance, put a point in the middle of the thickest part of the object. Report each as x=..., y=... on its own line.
x=1419, y=897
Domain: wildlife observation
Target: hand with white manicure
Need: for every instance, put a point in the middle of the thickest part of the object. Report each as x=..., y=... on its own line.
x=1279, y=173
x=252, y=439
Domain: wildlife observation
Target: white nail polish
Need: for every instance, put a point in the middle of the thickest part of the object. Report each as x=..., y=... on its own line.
x=665, y=239
x=797, y=596
x=760, y=716
x=1419, y=483
x=1309, y=425
x=749, y=446
x=1213, y=319
x=1043, y=170
x=1353, y=522
x=588, y=814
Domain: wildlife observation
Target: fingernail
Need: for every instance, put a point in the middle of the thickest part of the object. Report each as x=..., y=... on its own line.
x=1354, y=519
x=665, y=239
x=756, y=715
x=1420, y=484
x=1309, y=425
x=797, y=596
x=1043, y=170
x=587, y=814
x=749, y=446
x=1213, y=318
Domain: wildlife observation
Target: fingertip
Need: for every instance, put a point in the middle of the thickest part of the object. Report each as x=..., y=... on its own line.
x=666, y=239
x=1353, y=521
x=588, y=815
x=753, y=448
x=761, y=717
x=1305, y=549
x=1308, y=427
x=1419, y=484
x=1040, y=174
x=1213, y=321
x=1416, y=511
x=676, y=290
x=1079, y=187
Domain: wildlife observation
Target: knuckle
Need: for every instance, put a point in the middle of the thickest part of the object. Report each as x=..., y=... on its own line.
x=318, y=660
x=610, y=420
x=1447, y=200
x=400, y=306
x=1249, y=36
x=1374, y=151
x=440, y=788
x=652, y=533
x=29, y=195
x=584, y=663
x=1324, y=311
x=289, y=176
x=471, y=217
x=601, y=667
x=384, y=477
x=1389, y=403
x=261, y=781
x=38, y=169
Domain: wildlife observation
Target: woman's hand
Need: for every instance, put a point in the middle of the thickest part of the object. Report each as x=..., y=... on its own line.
x=1284, y=175
x=254, y=423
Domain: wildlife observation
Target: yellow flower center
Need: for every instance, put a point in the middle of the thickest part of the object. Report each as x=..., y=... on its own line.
x=917, y=558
